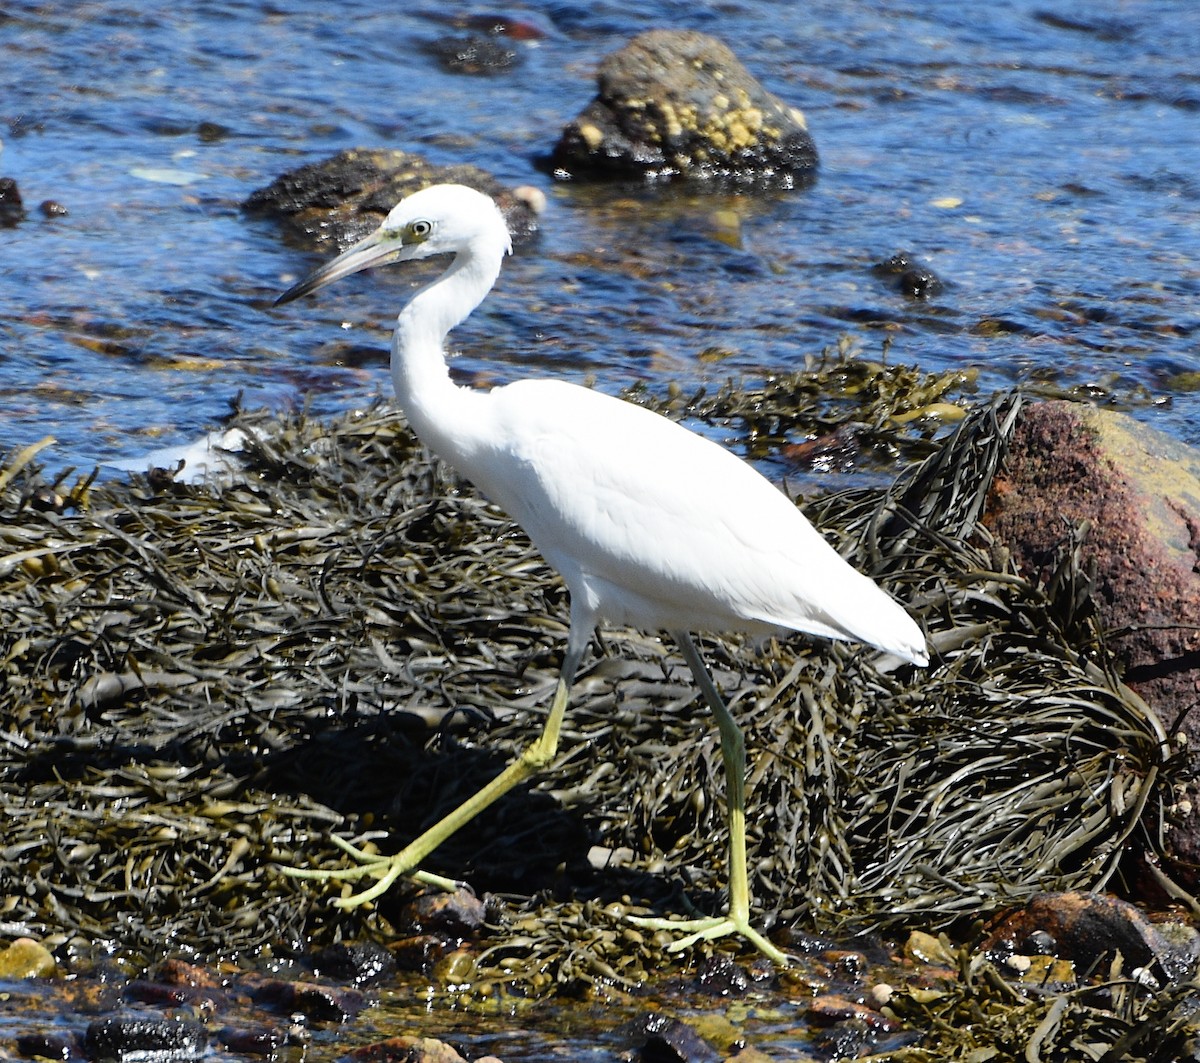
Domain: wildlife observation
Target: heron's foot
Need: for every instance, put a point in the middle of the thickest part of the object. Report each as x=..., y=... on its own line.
x=709, y=929
x=385, y=869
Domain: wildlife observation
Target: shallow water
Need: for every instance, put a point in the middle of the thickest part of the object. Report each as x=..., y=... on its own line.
x=1040, y=157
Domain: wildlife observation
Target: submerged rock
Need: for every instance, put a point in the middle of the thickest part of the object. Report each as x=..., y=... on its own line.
x=343, y=198
x=913, y=279
x=669, y=1040
x=358, y=962
x=409, y=1050
x=679, y=104
x=12, y=209
x=1090, y=929
x=477, y=53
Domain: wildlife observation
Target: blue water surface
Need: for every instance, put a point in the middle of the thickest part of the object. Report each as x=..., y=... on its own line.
x=1042, y=158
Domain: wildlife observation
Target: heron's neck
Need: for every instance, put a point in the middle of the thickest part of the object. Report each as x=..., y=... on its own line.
x=436, y=408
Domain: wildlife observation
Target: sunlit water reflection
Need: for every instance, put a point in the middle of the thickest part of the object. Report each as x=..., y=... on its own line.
x=1044, y=164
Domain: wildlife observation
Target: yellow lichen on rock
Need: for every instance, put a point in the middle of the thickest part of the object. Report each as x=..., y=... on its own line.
x=592, y=136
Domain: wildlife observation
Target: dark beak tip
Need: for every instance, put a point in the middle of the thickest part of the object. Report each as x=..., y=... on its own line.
x=291, y=295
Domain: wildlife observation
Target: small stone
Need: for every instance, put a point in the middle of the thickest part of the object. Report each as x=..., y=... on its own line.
x=881, y=993
x=406, y=1050
x=26, y=958
x=719, y=976
x=253, y=1041
x=359, y=963
x=831, y=1009
x=925, y=948
x=453, y=915
x=846, y=965
x=45, y=1046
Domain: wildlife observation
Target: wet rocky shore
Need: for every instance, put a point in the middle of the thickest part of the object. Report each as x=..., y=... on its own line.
x=201, y=681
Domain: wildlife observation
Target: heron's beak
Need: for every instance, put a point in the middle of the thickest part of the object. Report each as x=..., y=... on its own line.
x=370, y=251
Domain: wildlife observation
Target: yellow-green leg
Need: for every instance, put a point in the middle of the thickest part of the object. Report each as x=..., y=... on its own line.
x=387, y=869
x=733, y=753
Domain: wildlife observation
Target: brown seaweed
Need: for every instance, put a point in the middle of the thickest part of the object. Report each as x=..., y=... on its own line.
x=197, y=683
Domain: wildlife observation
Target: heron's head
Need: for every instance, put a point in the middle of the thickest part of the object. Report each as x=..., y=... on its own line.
x=438, y=220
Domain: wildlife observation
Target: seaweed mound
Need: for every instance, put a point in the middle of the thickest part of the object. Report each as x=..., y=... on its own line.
x=198, y=682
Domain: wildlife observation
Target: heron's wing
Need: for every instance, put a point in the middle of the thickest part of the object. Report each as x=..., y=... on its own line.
x=670, y=521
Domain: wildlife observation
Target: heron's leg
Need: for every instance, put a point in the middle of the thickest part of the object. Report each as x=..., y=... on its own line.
x=531, y=760
x=733, y=753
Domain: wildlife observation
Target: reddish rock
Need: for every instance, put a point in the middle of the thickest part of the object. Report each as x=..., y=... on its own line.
x=1133, y=496
x=831, y=1009
x=1089, y=929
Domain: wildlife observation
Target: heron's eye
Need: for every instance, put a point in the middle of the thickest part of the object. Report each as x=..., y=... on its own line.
x=420, y=229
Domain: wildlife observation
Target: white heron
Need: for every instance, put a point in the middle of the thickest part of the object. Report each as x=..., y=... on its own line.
x=649, y=524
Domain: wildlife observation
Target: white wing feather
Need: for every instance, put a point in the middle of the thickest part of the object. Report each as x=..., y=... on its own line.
x=665, y=529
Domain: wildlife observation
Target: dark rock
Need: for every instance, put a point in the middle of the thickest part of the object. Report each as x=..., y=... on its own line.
x=358, y=962
x=846, y=965
x=920, y=283
x=121, y=1037
x=679, y=104
x=831, y=1010
x=12, y=210
x=475, y=54
x=168, y=996
x=177, y=983
x=913, y=279
x=343, y=198
x=212, y=132
x=454, y=915
x=51, y=208
x=1131, y=498
x=662, y=1039
x=45, y=1046
x=1089, y=929
x=252, y=1041
x=319, y=1003
x=719, y=976
x=1038, y=943
x=420, y=952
